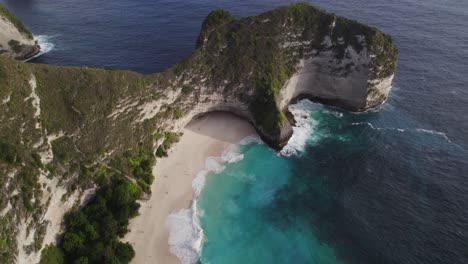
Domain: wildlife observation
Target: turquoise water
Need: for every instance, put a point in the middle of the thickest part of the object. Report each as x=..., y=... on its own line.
x=239, y=219
x=352, y=188
x=386, y=187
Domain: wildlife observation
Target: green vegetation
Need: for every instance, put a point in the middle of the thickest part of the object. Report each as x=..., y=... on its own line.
x=64, y=150
x=385, y=61
x=7, y=239
x=92, y=233
x=247, y=52
x=8, y=153
x=347, y=30
x=15, y=46
x=29, y=180
x=345, y=34
x=262, y=64
x=141, y=166
x=2, y=73
x=312, y=21
x=94, y=116
x=268, y=84
x=215, y=18
x=28, y=172
x=39, y=236
x=52, y=255
x=187, y=89
x=169, y=140
x=67, y=104
x=178, y=113
x=19, y=161
x=4, y=12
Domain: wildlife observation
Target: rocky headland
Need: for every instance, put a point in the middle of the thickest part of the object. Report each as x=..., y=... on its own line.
x=16, y=41
x=64, y=129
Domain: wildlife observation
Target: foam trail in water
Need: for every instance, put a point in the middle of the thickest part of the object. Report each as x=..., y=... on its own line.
x=365, y=124
x=185, y=232
x=434, y=133
x=420, y=130
x=45, y=44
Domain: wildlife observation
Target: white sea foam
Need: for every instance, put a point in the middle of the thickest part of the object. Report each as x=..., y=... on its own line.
x=434, y=133
x=45, y=44
x=185, y=233
x=302, y=130
x=251, y=139
x=232, y=155
x=419, y=130
x=364, y=124
x=199, y=182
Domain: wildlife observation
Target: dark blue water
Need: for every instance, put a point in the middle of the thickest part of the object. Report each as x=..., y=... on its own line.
x=361, y=192
x=394, y=191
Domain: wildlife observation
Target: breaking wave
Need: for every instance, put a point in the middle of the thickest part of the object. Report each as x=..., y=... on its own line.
x=304, y=130
x=185, y=233
x=45, y=43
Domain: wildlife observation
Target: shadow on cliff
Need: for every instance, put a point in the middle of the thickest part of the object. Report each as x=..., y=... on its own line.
x=223, y=126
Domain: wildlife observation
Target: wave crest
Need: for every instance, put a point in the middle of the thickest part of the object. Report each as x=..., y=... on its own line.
x=304, y=127
x=185, y=233
x=44, y=41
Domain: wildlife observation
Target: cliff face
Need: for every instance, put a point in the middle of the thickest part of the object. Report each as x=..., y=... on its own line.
x=16, y=41
x=266, y=61
x=60, y=126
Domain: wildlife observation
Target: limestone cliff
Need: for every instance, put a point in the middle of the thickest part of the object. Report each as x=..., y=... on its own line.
x=61, y=126
x=266, y=61
x=16, y=41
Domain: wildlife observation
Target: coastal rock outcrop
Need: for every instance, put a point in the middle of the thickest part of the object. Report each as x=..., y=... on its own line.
x=16, y=41
x=61, y=127
x=294, y=51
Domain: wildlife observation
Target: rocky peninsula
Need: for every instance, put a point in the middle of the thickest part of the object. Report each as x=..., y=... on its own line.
x=66, y=132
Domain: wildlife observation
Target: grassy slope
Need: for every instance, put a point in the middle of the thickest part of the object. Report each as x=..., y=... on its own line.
x=79, y=108
x=242, y=56
x=4, y=12
x=16, y=152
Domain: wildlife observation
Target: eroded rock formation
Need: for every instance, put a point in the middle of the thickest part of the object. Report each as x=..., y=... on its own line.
x=60, y=126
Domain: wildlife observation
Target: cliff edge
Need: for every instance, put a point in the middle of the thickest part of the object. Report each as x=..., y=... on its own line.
x=16, y=41
x=266, y=61
x=64, y=128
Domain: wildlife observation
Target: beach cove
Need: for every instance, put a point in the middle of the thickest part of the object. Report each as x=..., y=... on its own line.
x=172, y=189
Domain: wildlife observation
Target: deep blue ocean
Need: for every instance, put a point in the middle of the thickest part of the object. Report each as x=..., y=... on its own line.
x=387, y=186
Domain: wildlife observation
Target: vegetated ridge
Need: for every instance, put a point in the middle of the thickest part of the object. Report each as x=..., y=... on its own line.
x=84, y=139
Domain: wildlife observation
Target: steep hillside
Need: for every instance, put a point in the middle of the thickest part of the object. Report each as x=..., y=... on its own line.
x=64, y=128
x=16, y=41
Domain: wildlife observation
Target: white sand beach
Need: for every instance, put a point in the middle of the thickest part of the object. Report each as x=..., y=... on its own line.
x=172, y=189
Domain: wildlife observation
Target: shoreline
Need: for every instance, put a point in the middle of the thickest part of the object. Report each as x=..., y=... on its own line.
x=207, y=136
x=43, y=47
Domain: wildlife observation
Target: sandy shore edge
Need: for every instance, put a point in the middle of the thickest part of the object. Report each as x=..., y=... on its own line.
x=172, y=189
